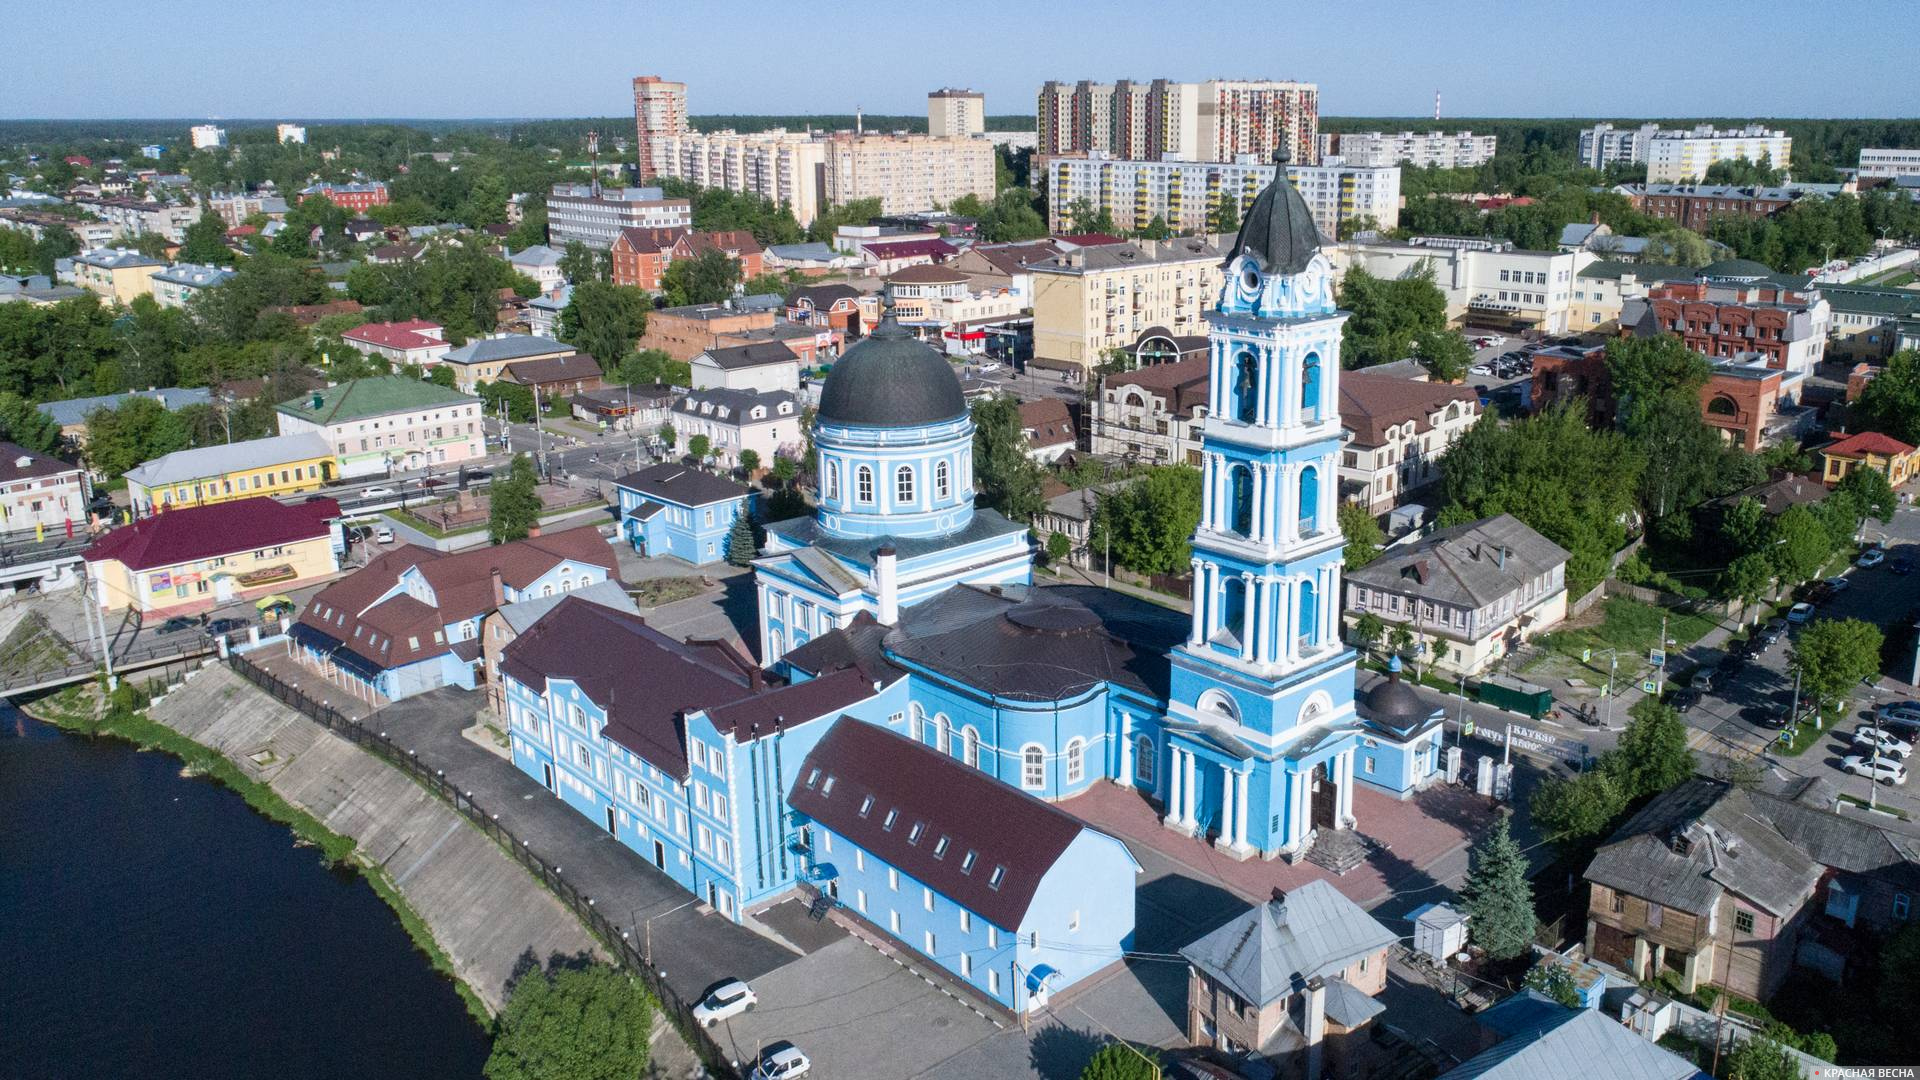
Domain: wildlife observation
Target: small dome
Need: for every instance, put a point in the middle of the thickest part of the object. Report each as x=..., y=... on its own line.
x=1395, y=703
x=891, y=379
x=1278, y=234
x=1735, y=270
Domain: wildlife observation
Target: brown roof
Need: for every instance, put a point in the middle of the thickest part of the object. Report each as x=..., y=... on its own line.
x=1183, y=384
x=648, y=241
x=1008, y=258
x=981, y=843
x=553, y=369
x=1048, y=420
x=732, y=241
x=1371, y=404
x=794, y=704
x=19, y=463
x=928, y=274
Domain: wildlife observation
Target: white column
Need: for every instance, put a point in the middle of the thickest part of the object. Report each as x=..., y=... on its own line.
x=1343, y=808
x=1289, y=495
x=1125, y=727
x=1240, y=808
x=1226, y=806
x=1246, y=615
x=1257, y=491
x=1261, y=383
x=1220, y=510
x=1330, y=612
x=1173, y=785
x=1198, y=633
x=1187, y=766
x=1262, y=592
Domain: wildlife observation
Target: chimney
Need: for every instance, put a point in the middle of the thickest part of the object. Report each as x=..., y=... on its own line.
x=318, y=400
x=756, y=680
x=886, y=586
x=499, y=588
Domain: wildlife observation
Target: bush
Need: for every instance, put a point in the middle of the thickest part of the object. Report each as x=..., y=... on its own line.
x=588, y=1023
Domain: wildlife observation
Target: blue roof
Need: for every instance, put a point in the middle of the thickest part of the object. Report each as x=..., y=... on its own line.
x=75, y=410
x=1545, y=1038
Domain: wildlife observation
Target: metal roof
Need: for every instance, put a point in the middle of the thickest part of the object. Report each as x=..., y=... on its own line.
x=182, y=466
x=1264, y=954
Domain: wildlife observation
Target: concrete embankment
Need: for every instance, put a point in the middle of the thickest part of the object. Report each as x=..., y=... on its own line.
x=481, y=907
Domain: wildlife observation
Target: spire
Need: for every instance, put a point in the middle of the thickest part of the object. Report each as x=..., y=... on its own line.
x=1278, y=233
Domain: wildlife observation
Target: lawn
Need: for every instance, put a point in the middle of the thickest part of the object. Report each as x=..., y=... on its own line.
x=1632, y=628
x=413, y=522
x=657, y=591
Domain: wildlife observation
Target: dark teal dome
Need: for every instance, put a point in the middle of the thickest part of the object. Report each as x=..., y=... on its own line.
x=1278, y=234
x=891, y=379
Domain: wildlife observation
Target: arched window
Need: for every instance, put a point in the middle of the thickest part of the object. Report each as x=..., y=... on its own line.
x=1143, y=759
x=970, y=746
x=863, y=484
x=833, y=479
x=1033, y=767
x=1076, y=761
x=1309, y=613
x=547, y=589
x=943, y=731
x=1233, y=610
x=1240, y=498
x=1220, y=704
x=917, y=723
x=942, y=481
x=1310, y=387
x=1246, y=388
x=903, y=485
x=1722, y=405
x=1309, y=500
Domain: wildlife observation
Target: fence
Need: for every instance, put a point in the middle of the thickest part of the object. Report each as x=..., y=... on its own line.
x=1704, y=1028
x=678, y=1011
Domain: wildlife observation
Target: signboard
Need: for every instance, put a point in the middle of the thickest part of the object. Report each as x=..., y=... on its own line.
x=1657, y=657
x=1527, y=738
x=1466, y=727
x=1648, y=686
x=1586, y=655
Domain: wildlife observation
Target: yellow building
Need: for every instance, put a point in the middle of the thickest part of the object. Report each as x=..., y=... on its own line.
x=1092, y=299
x=116, y=275
x=1883, y=454
x=281, y=465
x=194, y=558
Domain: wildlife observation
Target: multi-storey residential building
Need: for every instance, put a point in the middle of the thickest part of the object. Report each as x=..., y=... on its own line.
x=131, y=218
x=39, y=494
x=196, y=557
x=1093, y=299
x=415, y=341
x=1486, y=282
x=389, y=423
x=235, y=208
x=783, y=167
x=290, y=133
x=767, y=423
x=1414, y=149
x=1694, y=206
x=659, y=113
x=355, y=198
x=1676, y=157
x=1184, y=194
x=1002, y=267
x=181, y=282
x=1153, y=414
x=1734, y=313
x=1888, y=163
x=1209, y=121
x=36, y=223
x=484, y=360
x=678, y=510
x=1483, y=587
x=207, y=136
x=937, y=296
x=594, y=216
x=961, y=113
x=1602, y=144
x=641, y=256
x=764, y=366
x=1401, y=428
x=223, y=472
x=116, y=275
x=908, y=172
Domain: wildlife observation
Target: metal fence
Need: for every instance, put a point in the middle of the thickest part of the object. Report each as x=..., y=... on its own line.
x=627, y=952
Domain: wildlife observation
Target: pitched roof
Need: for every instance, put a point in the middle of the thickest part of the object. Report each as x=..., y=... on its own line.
x=548, y=369
x=410, y=334
x=1183, y=383
x=536, y=255
x=1699, y=839
x=74, y=410
x=505, y=347
x=220, y=458
x=738, y=404
x=1469, y=565
x=609, y=593
x=116, y=259
x=983, y=844
x=1372, y=404
x=910, y=249
x=823, y=297
x=795, y=703
x=681, y=485
x=1545, y=1038
x=1011, y=259
x=926, y=274
x=1315, y=931
x=19, y=463
x=738, y=241
x=380, y=395
x=1050, y=422
x=193, y=533
x=756, y=354
x=1868, y=442
x=1120, y=255
x=648, y=241
x=858, y=646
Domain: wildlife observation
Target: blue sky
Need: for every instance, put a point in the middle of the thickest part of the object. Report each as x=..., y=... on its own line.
x=467, y=58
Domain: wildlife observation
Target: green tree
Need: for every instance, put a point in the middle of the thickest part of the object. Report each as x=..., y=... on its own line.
x=668, y=436
x=56, y=242
x=1388, y=314
x=518, y=399
x=1900, y=969
x=1677, y=247
x=1362, y=532
x=1761, y=1058
x=1155, y=229
x=1117, y=1061
x=1399, y=640
x=588, y=1023
x=1653, y=754
x=26, y=426
x=1005, y=478
x=1555, y=980
x=1444, y=353
x=707, y=278
x=750, y=461
x=785, y=469
x=205, y=241
x=1497, y=894
x=1890, y=402
x=742, y=548
x=1084, y=217
x=1367, y=631
x=1869, y=492
x=140, y=429
x=581, y=264
x=1747, y=578
x=441, y=375
x=699, y=446
x=514, y=503
x=604, y=320
x=1833, y=656
x=1572, y=810
x=1151, y=521
x=1643, y=369
x=1059, y=547
x=1225, y=215
x=486, y=202
x=649, y=367
x=1801, y=544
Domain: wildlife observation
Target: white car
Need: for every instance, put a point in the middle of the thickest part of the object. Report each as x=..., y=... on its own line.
x=725, y=1003
x=383, y=535
x=1887, y=771
x=1889, y=743
x=1479, y=369
x=1800, y=613
x=1838, y=584
x=988, y=369
x=378, y=493
x=781, y=1061
x=1870, y=557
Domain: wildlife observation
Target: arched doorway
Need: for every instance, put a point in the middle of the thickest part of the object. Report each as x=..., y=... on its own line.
x=1325, y=797
x=1240, y=484
x=1246, y=384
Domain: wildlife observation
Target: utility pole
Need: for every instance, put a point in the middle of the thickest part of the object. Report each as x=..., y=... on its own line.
x=1613, y=665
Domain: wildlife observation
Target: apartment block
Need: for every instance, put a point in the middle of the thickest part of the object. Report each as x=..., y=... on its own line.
x=780, y=166
x=1093, y=299
x=1415, y=149
x=1675, y=157
x=659, y=113
x=1603, y=144
x=354, y=198
x=207, y=136
x=290, y=133
x=1208, y=121
x=594, y=216
x=907, y=173
x=1487, y=283
x=956, y=113
x=1184, y=194
x=130, y=218
x=1887, y=164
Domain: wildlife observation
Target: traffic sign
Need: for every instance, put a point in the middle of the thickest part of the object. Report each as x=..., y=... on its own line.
x=1466, y=727
x=1648, y=686
x=1586, y=655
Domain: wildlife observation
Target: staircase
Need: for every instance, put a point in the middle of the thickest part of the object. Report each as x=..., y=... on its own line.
x=1338, y=850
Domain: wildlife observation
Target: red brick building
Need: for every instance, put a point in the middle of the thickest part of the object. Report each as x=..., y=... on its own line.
x=357, y=197
x=1739, y=401
x=641, y=256
x=1694, y=206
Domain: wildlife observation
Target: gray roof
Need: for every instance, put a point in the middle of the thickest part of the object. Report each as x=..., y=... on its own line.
x=1278, y=234
x=891, y=379
x=1349, y=1006
x=509, y=347
x=682, y=485
x=1547, y=1039
x=757, y=354
x=738, y=404
x=184, y=465
x=75, y=410
x=1730, y=844
x=537, y=255
x=608, y=593
x=194, y=275
x=1470, y=565
x=810, y=252
x=1116, y=256
x=1315, y=931
x=116, y=258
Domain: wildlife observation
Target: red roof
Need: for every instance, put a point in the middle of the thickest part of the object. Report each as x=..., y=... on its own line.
x=397, y=335
x=645, y=241
x=1089, y=239
x=1869, y=442
x=912, y=249
x=193, y=533
x=243, y=230
x=1049, y=421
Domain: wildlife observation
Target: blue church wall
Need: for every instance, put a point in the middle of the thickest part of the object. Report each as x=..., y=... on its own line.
x=1050, y=750
x=895, y=481
x=1082, y=916
x=1395, y=767
x=695, y=534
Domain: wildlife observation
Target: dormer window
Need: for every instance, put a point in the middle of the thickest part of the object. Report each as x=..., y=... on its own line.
x=994, y=879
x=887, y=822
x=966, y=862
x=813, y=777
x=940, y=848
x=866, y=804
x=827, y=788
x=913, y=834
x=759, y=411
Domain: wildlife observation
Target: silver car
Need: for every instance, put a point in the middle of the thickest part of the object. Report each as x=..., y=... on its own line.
x=1886, y=770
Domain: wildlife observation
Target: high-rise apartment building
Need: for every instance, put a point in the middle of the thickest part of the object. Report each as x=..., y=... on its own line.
x=958, y=113
x=1603, y=144
x=659, y=113
x=783, y=167
x=1887, y=164
x=595, y=217
x=907, y=173
x=1208, y=121
x=1677, y=157
x=1184, y=194
x=208, y=136
x=290, y=133
x=1413, y=149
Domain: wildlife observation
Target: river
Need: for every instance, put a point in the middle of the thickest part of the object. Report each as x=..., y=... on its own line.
x=153, y=925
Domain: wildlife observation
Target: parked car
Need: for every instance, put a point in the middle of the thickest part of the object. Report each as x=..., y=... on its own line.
x=378, y=493
x=1770, y=633
x=781, y=1061
x=1480, y=369
x=383, y=535
x=988, y=369
x=175, y=625
x=1838, y=584
x=1869, y=736
x=1886, y=770
x=1870, y=558
x=1701, y=679
x=1799, y=613
x=1903, y=565
x=1734, y=662
x=222, y=627
x=1683, y=700
x=1898, y=712
x=727, y=1001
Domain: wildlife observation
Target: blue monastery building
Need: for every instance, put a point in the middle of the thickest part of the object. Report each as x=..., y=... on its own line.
x=678, y=510
x=923, y=705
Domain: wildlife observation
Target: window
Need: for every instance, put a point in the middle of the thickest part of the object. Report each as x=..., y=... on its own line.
x=993, y=936
x=993, y=981
x=833, y=479
x=970, y=746
x=994, y=879
x=886, y=823
x=940, y=848
x=903, y=484
x=1310, y=387
x=926, y=898
x=942, y=481
x=1033, y=767
x=1076, y=761
x=866, y=804
x=966, y=862
x=943, y=731
x=1902, y=906
x=863, y=484
x=893, y=879
x=893, y=921
x=913, y=834
x=1743, y=922
x=1143, y=759
x=1073, y=922
x=929, y=941
x=1619, y=904
x=966, y=921
x=966, y=965
x=860, y=900
x=917, y=724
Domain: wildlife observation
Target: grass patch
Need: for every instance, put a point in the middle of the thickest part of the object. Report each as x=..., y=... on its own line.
x=412, y=521
x=33, y=648
x=1812, y=729
x=1864, y=805
x=74, y=710
x=1632, y=628
x=666, y=590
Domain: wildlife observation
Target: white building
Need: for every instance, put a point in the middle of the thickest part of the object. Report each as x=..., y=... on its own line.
x=1400, y=430
x=1889, y=163
x=956, y=112
x=1486, y=282
x=542, y=264
x=1183, y=193
x=181, y=282
x=208, y=136
x=736, y=420
x=131, y=219
x=1416, y=149
x=290, y=133
x=778, y=165
x=1603, y=144
x=39, y=494
x=763, y=367
x=576, y=212
x=1676, y=157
